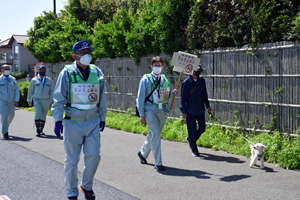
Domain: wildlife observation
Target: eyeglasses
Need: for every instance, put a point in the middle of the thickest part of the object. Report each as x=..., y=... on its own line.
x=157, y=66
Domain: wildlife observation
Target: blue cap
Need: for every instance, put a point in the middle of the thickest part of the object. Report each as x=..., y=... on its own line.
x=200, y=67
x=41, y=66
x=83, y=44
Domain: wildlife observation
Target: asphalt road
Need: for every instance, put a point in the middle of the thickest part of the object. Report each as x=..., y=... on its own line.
x=32, y=168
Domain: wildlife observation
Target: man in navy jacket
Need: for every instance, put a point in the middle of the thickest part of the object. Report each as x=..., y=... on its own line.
x=193, y=99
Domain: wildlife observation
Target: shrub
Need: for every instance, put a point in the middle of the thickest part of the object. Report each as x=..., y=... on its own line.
x=20, y=75
x=23, y=87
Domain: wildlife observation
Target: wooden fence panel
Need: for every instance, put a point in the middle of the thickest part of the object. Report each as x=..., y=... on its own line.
x=260, y=84
x=209, y=87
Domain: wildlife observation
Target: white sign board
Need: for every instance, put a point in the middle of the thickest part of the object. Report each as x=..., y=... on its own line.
x=184, y=62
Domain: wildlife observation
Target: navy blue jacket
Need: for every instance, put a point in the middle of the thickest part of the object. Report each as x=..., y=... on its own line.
x=194, y=103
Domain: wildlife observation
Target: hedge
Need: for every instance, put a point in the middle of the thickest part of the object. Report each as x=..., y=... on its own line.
x=23, y=87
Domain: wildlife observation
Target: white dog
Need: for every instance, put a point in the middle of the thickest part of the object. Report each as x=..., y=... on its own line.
x=257, y=151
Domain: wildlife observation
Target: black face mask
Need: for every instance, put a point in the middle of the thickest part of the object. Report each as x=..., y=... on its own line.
x=197, y=73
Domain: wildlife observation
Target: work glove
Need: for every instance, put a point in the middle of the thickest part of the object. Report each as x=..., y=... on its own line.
x=101, y=126
x=58, y=128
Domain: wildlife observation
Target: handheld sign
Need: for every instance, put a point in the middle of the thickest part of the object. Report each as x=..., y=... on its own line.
x=183, y=63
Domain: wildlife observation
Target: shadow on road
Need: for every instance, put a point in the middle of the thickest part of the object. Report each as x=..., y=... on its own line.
x=171, y=171
x=50, y=137
x=15, y=138
x=267, y=169
x=221, y=158
x=234, y=178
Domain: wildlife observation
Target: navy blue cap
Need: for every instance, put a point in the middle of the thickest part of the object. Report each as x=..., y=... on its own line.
x=200, y=67
x=83, y=44
x=41, y=66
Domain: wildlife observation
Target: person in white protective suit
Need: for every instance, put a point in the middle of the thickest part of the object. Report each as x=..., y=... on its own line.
x=153, y=94
x=41, y=91
x=9, y=98
x=79, y=111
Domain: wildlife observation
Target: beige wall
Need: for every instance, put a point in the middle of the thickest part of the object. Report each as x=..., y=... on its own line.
x=25, y=58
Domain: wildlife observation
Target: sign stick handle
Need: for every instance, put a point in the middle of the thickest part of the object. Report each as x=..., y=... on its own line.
x=176, y=89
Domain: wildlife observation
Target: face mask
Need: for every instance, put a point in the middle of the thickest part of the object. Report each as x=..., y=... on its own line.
x=86, y=59
x=42, y=73
x=197, y=73
x=156, y=70
x=6, y=72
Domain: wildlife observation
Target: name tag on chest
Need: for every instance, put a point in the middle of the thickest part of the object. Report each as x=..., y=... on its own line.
x=161, y=96
x=85, y=93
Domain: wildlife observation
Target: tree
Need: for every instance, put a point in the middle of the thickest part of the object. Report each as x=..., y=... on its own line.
x=51, y=39
x=110, y=38
x=172, y=21
x=159, y=27
x=90, y=11
x=72, y=32
x=270, y=20
x=215, y=23
x=294, y=33
x=41, y=43
x=119, y=28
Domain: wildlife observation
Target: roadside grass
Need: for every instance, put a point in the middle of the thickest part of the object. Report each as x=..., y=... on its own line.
x=281, y=149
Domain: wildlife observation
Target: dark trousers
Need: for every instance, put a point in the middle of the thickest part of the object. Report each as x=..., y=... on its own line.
x=194, y=132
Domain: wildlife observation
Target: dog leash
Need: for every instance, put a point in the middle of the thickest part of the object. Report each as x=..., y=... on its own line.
x=211, y=116
x=246, y=139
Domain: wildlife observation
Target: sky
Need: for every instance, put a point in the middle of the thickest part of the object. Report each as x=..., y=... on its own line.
x=16, y=16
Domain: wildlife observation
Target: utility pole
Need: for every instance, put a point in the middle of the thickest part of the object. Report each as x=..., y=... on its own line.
x=54, y=7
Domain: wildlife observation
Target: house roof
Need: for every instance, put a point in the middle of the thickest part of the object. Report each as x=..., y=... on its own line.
x=4, y=43
x=20, y=39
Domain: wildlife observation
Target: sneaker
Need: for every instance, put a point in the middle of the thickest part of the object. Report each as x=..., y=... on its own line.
x=142, y=159
x=188, y=141
x=88, y=195
x=43, y=133
x=5, y=136
x=38, y=134
x=196, y=154
x=72, y=198
x=159, y=168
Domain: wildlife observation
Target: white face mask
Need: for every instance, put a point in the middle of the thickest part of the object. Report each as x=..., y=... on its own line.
x=86, y=59
x=157, y=70
x=6, y=72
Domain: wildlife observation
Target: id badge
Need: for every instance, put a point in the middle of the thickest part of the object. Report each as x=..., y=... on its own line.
x=160, y=106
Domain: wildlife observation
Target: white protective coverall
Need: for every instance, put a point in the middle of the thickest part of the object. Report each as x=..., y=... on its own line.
x=42, y=93
x=9, y=94
x=81, y=129
x=155, y=119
